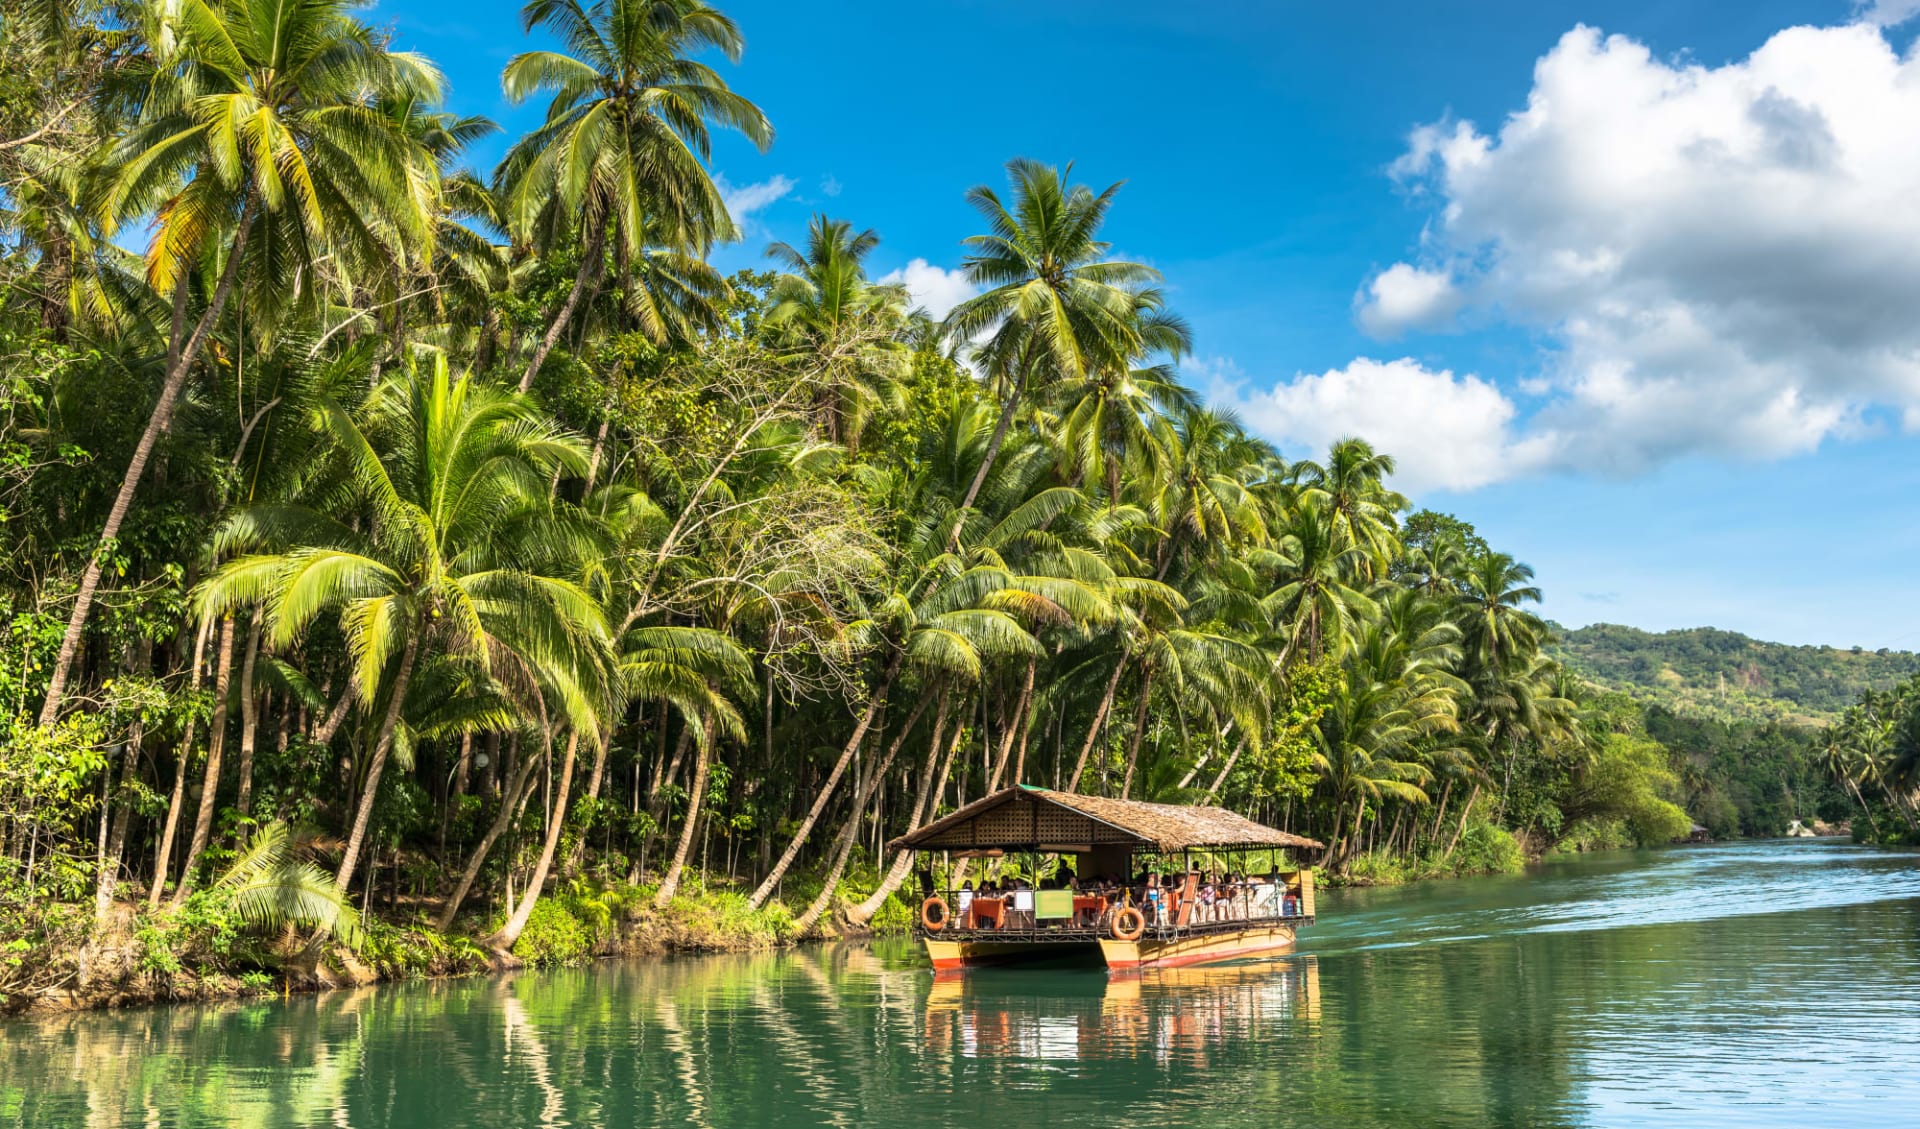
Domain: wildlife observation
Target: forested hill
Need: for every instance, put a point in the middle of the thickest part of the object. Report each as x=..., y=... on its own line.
x=1706, y=671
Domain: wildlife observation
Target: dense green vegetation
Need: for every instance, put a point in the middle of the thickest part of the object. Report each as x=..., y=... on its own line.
x=1707, y=672
x=551, y=586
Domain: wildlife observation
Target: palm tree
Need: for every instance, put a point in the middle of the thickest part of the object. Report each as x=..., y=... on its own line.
x=842, y=323
x=461, y=557
x=1493, y=623
x=1055, y=307
x=1315, y=599
x=1352, y=486
x=255, y=129
x=1105, y=421
x=1203, y=497
x=624, y=147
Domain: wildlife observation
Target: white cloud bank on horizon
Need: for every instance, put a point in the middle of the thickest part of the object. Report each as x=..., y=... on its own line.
x=933, y=289
x=1723, y=258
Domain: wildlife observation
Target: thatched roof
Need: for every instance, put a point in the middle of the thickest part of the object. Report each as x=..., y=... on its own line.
x=1027, y=818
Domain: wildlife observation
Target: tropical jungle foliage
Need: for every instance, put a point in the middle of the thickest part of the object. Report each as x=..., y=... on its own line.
x=471, y=524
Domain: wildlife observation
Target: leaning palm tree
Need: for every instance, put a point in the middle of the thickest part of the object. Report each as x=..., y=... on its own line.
x=624, y=150
x=458, y=554
x=1056, y=307
x=257, y=148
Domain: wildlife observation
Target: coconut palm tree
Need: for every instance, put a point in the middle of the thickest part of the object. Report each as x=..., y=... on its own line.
x=255, y=128
x=826, y=310
x=1352, y=486
x=1493, y=621
x=624, y=150
x=1054, y=307
x=459, y=555
x=1315, y=598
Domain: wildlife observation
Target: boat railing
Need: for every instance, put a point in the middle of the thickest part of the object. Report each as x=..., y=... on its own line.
x=1093, y=910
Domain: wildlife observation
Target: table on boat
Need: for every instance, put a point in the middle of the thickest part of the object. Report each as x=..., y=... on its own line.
x=987, y=912
x=1090, y=905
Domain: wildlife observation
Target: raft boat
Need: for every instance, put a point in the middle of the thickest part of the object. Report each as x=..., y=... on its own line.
x=1225, y=895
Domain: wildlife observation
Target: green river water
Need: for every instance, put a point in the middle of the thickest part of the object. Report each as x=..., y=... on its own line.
x=1752, y=984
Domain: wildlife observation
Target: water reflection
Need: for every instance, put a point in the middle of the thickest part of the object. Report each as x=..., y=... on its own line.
x=1659, y=990
x=1179, y=1016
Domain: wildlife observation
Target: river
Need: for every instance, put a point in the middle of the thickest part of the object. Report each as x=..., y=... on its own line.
x=1749, y=984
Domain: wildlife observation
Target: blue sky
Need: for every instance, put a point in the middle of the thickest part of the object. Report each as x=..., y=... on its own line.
x=1650, y=334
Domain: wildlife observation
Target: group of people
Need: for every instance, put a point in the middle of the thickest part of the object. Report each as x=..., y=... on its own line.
x=1216, y=898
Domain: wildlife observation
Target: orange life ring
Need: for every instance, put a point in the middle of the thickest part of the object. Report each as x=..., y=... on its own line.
x=933, y=922
x=1129, y=924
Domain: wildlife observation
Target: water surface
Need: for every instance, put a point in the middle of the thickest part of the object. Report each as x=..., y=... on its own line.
x=1754, y=984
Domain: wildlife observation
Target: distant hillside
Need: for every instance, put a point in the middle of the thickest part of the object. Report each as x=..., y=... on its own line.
x=1708, y=672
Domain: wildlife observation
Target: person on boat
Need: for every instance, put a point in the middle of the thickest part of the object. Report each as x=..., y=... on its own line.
x=1151, y=899
x=963, y=901
x=1208, y=896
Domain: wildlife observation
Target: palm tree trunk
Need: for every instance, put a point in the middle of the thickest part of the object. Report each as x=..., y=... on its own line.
x=109, y=875
x=157, y=423
x=1461, y=827
x=216, y=744
x=932, y=783
x=670, y=883
x=510, y=798
x=177, y=801
x=779, y=871
x=371, y=790
x=993, y=452
x=249, y=717
x=850, y=833
x=1014, y=724
x=583, y=282
x=1099, y=719
x=1220, y=780
x=1139, y=728
x=1440, y=809
x=556, y=819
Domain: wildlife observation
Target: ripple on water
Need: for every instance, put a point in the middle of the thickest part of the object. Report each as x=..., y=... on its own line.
x=1757, y=984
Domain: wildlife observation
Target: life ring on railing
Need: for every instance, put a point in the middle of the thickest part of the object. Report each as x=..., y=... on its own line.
x=934, y=914
x=1129, y=924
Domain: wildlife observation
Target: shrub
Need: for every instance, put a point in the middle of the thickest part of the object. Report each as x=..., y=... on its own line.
x=553, y=935
x=1487, y=849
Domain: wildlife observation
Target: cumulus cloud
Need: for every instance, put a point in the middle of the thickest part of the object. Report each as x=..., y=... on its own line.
x=1445, y=432
x=745, y=200
x=934, y=289
x=1404, y=297
x=1724, y=259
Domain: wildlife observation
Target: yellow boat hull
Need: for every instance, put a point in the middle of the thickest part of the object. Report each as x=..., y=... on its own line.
x=1209, y=948
x=1147, y=952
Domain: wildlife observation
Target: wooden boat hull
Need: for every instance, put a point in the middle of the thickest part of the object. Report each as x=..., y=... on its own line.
x=1209, y=948
x=950, y=955
x=1124, y=956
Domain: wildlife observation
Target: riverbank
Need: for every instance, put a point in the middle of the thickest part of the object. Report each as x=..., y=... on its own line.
x=194, y=953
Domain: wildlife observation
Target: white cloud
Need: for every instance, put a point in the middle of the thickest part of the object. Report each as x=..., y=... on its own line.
x=1445, y=432
x=830, y=185
x=934, y=289
x=1886, y=13
x=1724, y=259
x=1404, y=297
x=747, y=199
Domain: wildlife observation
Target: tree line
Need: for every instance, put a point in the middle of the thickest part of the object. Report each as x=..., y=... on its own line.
x=478, y=530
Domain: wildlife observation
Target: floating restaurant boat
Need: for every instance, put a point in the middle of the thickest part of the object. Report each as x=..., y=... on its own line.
x=1155, y=885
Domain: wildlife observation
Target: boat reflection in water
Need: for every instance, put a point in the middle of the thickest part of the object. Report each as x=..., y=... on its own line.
x=1172, y=1016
